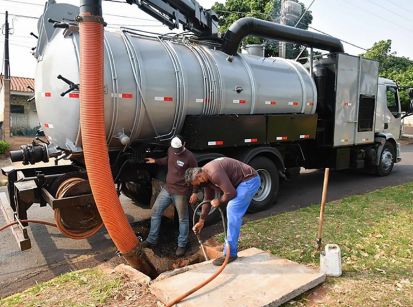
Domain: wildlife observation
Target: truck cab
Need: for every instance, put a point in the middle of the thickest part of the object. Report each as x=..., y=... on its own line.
x=388, y=112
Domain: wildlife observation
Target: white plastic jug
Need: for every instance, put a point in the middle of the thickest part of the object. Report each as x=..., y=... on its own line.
x=330, y=260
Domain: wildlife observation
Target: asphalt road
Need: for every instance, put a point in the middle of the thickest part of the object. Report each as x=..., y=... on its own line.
x=53, y=254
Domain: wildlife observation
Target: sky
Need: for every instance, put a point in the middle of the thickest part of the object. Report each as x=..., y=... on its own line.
x=361, y=22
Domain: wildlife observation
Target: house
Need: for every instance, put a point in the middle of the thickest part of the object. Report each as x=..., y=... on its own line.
x=24, y=121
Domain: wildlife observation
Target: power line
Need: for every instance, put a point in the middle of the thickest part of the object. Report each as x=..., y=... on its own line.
x=22, y=16
x=377, y=15
x=112, y=15
x=398, y=6
x=387, y=9
x=342, y=40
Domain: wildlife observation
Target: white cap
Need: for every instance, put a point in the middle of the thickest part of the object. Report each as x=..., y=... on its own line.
x=176, y=142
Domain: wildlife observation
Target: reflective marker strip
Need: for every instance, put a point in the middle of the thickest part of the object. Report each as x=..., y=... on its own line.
x=240, y=101
x=365, y=140
x=344, y=140
x=74, y=95
x=123, y=95
x=282, y=138
x=250, y=140
x=304, y=136
x=310, y=104
x=347, y=104
x=50, y=126
x=164, y=99
x=271, y=102
x=294, y=103
x=199, y=100
x=214, y=143
x=47, y=94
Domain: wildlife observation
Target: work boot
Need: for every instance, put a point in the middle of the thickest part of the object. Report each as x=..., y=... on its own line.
x=180, y=251
x=219, y=261
x=146, y=244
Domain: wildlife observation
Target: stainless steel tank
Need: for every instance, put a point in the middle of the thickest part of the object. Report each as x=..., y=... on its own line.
x=152, y=83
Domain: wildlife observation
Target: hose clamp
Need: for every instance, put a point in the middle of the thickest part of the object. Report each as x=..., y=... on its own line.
x=138, y=251
x=97, y=19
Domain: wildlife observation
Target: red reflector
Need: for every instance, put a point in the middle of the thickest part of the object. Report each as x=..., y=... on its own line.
x=220, y=142
x=168, y=99
x=47, y=94
x=74, y=95
x=243, y=101
x=126, y=95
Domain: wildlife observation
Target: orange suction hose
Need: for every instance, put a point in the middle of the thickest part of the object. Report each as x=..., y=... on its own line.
x=212, y=277
x=94, y=140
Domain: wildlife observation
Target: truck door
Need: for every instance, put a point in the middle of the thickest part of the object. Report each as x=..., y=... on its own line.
x=392, y=114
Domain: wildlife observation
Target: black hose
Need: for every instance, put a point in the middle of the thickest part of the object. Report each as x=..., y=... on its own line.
x=271, y=30
x=220, y=211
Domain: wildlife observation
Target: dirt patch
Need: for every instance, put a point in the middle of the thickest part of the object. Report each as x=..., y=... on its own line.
x=162, y=256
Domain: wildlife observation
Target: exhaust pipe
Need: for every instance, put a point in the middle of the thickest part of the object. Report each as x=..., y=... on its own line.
x=94, y=139
x=266, y=29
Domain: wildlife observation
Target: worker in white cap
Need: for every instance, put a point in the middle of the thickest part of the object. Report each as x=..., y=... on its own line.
x=178, y=160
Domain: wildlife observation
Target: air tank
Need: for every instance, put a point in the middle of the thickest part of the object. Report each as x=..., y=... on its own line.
x=153, y=83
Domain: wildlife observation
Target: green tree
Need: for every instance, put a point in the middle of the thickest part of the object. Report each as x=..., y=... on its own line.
x=399, y=69
x=268, y=10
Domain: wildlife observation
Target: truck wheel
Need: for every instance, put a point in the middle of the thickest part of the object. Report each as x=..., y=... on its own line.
x=386, y=162
x=140, y=193
x=270, y=180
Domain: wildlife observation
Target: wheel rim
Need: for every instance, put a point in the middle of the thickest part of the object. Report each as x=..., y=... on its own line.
x=387, y=160
x=265, y=187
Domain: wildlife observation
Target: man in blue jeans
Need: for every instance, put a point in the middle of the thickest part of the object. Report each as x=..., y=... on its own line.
x=178, y=160
x=238, y=182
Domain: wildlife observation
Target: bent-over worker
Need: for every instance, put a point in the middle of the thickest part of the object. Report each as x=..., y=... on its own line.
x=238, y=182
x=178, y=160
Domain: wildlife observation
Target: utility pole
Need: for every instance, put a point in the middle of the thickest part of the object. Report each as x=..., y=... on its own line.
x=6, y=82
x=282, y=48
x=290, y=15
x=6, y=48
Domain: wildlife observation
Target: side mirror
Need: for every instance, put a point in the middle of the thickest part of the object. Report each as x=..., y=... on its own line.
x=410, y=109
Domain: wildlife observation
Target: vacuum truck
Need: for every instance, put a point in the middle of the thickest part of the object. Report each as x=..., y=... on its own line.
x=272, y=113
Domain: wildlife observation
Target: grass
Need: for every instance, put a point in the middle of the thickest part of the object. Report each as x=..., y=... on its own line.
x=375, y=234
x=90, y=287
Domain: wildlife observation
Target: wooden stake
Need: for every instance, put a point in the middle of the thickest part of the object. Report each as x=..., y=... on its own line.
x=322, y=206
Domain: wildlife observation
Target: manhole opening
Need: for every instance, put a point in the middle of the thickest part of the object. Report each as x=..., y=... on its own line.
x=162, y=256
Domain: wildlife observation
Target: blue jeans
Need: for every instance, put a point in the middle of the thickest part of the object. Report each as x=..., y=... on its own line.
x=162, y=202
x=236, y=209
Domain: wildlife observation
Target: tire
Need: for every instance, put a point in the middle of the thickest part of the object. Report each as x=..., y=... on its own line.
x=387, y=158
x=270, y=182
x=140, y=193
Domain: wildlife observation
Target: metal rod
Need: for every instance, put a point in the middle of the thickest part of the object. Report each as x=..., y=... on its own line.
x=322, y=206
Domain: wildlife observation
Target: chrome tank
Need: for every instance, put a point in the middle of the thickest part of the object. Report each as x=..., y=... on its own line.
x=152, y=83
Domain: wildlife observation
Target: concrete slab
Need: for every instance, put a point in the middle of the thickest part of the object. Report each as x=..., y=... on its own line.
x=256, y=279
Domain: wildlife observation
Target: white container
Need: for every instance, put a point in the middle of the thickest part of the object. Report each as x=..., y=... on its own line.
x=330, y=260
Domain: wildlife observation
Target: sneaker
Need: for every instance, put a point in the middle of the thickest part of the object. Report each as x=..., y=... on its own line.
x=180, y=251
x=219, y=261
x=146, y=244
